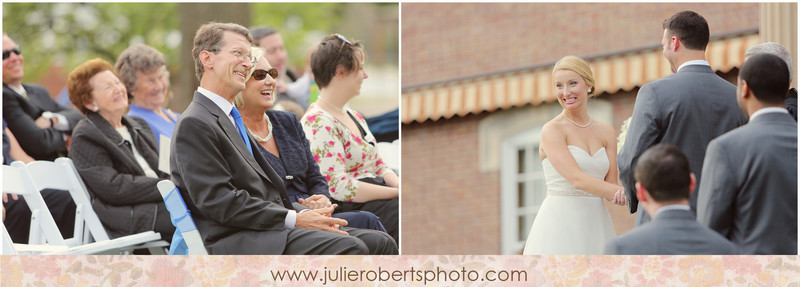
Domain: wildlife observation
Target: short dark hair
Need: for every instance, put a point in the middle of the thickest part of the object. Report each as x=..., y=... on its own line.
x=663, y=170
x=691, y=29
x=767, y=76
x=331, y=53
x=260, y=32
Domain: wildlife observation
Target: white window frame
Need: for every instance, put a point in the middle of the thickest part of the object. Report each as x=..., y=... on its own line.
x=510, y=211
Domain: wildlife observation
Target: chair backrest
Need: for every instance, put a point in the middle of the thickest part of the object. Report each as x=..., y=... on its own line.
x=8, y=245
x=186, y=240
x=17, y=180
x=61, y=174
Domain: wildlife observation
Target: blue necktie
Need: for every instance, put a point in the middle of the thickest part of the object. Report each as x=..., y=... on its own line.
x=237, y=117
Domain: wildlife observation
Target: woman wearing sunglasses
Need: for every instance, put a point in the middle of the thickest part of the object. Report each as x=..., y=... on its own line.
x=341, y=142
x=282, y=142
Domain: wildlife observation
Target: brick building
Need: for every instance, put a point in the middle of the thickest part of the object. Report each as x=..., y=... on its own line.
x=477, y=89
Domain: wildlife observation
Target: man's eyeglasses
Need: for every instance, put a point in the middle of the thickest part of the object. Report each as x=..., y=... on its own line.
x=260, y=74
x=7, y=53
x=344, y=41
x=238, y=54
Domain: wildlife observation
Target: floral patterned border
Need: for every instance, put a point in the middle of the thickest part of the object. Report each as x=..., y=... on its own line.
x=128, y=270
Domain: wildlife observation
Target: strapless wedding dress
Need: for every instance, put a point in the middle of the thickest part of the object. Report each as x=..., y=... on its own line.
x=571, y=221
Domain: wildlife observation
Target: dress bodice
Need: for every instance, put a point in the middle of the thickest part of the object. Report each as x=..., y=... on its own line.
x=595, y=165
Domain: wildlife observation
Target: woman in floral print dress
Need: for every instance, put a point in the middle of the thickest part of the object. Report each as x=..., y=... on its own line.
x=340, y=140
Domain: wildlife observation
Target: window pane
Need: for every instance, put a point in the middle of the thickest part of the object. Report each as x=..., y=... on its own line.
x=521, y=161
x=522, y=230
x=520, y=194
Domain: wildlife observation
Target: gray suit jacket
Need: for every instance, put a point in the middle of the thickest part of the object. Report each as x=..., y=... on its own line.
x=237, y=200
x=687, y=109
x=749, y=192
x=673, y=232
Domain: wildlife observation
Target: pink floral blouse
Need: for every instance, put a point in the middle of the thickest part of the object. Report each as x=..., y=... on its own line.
x=343, y=157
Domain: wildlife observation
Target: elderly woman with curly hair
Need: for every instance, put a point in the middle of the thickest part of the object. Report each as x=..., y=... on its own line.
x=116, y=155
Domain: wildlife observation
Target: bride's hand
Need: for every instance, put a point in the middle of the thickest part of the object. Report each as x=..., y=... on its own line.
x=619, y=198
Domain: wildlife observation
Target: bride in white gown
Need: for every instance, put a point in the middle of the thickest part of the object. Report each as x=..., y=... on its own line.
x=579, y=162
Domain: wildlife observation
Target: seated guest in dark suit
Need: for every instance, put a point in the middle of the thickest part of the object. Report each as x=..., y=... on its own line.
x=116, y=155
x=663, y=184
x=750, y=193
x=340, y=140
x=238, y=201
x=281, y=140
x=39, y=123
x=144, y=72
x=59, y=202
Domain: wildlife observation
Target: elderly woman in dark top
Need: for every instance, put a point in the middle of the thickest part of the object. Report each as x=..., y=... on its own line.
x=116, y=155
x=283, y=143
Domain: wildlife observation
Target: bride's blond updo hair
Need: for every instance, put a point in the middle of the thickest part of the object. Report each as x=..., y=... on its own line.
x=579, y=66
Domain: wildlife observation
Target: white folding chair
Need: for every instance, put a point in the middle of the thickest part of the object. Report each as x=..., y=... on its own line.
x=17, y=180
x=189, y=242
x=62, y=174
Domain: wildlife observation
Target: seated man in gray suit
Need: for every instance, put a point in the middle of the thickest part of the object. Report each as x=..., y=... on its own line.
x=663, y=184
x=238, y=201
x=749, y=192
x=688, y=108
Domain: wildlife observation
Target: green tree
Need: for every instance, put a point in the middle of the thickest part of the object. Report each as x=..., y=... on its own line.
x=67, y=34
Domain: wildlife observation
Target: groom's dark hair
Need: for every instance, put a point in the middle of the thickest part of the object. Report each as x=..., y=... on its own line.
x=663, y=170
x=767, y=76
x=691, y=29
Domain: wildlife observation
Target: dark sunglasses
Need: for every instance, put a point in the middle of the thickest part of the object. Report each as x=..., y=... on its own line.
x=7, y=53
x=260, y=74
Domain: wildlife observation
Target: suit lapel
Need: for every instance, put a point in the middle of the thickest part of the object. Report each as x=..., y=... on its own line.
x=232, y=133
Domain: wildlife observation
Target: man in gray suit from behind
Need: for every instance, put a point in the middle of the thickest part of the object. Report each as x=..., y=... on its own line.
x=663, y=185
x=749, y=193
x=688, y=108
x=238, y=201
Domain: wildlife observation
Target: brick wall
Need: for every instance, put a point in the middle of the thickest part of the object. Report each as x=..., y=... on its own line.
x=448, y=205
x=447, y=41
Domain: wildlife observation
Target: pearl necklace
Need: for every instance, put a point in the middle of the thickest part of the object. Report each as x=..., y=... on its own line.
x=580, y=126
x=342, y=109
x=269, y=127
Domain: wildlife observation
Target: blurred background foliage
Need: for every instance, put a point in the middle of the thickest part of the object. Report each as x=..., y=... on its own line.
x=67, y=34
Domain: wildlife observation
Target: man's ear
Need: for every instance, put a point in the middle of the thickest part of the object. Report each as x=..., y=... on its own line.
x=641, y=192
x=206, y=59
x=692, y=182
x=745, y=89
x=675, y=43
